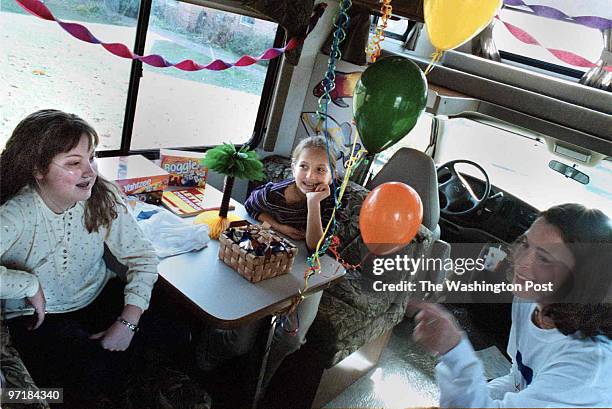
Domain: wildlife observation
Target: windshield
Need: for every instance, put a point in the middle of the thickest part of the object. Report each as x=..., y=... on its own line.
x=518, y=164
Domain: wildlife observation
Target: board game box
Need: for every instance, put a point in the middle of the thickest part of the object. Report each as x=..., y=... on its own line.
x=184, y=167
x=133, y=174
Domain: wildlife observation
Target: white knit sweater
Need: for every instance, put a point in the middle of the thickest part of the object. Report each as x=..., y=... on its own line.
x=55, y=251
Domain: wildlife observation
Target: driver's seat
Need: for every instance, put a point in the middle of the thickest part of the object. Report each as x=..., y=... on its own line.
x=417, y=170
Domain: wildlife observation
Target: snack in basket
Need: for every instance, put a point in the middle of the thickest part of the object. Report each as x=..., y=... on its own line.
x=256, y=252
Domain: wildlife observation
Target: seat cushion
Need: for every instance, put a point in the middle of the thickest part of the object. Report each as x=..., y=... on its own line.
x=336, y=319
x=14, y=373
x=357, y=290
x=335, y=349
x=347, y=222
x=277, y=168
x=357, y=287
x=417, y=170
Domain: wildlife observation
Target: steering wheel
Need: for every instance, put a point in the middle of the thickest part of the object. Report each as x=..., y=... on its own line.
x=456, y=196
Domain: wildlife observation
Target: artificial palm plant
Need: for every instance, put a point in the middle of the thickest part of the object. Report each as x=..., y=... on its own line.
x=242, y=164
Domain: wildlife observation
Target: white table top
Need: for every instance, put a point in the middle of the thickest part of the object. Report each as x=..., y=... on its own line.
x=224, y=296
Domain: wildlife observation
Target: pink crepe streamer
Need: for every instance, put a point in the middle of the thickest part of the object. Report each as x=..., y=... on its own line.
x=600, y=23
x=79, y=31
x=567, y=57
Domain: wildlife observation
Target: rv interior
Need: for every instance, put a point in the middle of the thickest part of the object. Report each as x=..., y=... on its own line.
x=522, y=130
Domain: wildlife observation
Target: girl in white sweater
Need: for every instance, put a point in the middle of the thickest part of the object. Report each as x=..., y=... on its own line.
x=69, y=316
x=560, y=343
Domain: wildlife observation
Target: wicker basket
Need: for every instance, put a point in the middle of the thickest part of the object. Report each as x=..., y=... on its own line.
x=252, y=267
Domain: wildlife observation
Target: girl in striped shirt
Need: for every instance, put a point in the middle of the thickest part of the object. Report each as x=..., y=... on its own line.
x=294, y=207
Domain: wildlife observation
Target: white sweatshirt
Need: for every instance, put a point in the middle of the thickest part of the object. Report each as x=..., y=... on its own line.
x=549, y=369
x=55, y=251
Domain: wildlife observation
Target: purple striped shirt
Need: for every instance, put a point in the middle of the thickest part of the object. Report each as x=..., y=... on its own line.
x=270, y=199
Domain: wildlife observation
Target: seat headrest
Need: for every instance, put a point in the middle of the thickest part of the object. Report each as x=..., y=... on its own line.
x=417, y=170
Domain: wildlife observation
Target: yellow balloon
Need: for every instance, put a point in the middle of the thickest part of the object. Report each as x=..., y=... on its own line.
x=451, y=23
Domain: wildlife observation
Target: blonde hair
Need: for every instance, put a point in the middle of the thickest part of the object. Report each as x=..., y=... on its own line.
x=316, y=142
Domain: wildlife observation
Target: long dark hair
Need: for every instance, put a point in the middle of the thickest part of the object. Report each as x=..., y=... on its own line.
x=586, y=306
x=36, y=140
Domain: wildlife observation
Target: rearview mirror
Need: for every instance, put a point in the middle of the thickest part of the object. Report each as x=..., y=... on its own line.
x=569, y=172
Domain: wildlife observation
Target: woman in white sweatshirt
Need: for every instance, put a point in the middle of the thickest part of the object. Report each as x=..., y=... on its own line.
x=560, y=342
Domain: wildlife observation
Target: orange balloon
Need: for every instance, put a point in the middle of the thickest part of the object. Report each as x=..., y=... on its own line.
x=390, y=217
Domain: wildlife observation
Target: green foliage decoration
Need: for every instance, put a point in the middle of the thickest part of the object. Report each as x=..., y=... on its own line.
x=241, y=164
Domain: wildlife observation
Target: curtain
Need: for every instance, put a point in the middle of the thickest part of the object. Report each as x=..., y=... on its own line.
x=353, y=47
x=597, y=77
x=292, y=15
x=483, y=44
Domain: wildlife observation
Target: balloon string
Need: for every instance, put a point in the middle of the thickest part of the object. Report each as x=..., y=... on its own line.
x=354, y=159
x=435, y=58
x=373, y=49
x=341, y=24
x=314, y=261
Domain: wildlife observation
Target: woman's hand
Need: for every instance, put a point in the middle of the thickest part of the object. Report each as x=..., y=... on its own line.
x=117, y=338
x=290, y=231
x=39, y=302
x=436, y=329
x=321, y=192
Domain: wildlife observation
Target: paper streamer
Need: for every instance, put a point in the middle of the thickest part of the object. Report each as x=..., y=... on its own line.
x=567, y=57
x=79, y=31
x=597, y=22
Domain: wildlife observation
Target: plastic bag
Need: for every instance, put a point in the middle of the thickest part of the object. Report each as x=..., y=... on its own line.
x=169, y=234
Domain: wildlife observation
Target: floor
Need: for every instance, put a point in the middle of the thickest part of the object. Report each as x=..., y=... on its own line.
x=404, y=376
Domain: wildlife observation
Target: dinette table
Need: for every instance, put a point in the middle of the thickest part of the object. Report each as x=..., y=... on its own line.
x=217, y=294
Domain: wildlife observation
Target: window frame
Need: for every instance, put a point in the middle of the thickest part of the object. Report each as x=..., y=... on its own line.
x=535, y=63
x=542, y=65
x=136, y=73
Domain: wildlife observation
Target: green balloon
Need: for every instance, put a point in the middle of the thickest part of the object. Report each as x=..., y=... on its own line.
x=388, y=100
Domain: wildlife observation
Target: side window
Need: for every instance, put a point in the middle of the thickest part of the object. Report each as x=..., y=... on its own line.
x=555, y=34
x=47, y=68
x=180, y=108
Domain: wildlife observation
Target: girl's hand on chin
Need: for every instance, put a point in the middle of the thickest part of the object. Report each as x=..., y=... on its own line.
x=321, y=192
